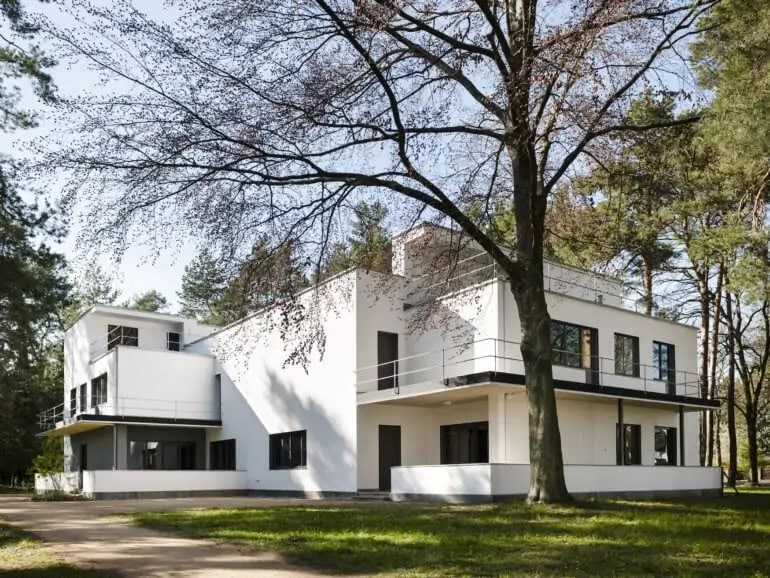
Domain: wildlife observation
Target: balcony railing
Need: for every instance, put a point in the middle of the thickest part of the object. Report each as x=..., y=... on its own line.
x=130, y=407
x=441, y=366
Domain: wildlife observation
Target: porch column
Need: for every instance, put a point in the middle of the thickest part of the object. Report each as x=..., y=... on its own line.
x=498, y=428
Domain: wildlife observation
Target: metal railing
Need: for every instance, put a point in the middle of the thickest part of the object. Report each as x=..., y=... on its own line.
x=131, y=407
x=499, y=355
x=557, y=278
x=140, y=338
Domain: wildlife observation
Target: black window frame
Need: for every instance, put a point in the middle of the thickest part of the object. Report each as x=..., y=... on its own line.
x=473, y=435
x=73, y=401
x=122, y=335
x=222, y=454
x=562, y=356
x=174, y=344
x=620, y=360
x=387, y=369
x=667, y=375
x=671, y=441
x=99, y=390
x=83, y=397
x=631, y=454
x=284, y=453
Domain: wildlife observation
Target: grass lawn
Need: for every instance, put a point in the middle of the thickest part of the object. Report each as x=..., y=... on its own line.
x=22, y=556
x=725, y=536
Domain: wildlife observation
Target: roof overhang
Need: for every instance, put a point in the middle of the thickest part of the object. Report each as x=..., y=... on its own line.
x=87, y=422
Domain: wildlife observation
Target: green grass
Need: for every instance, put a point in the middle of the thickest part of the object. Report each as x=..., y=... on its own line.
x=722, y=536
x=22, y=556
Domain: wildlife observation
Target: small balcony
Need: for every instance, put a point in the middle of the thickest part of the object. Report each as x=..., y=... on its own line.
x=497, y=360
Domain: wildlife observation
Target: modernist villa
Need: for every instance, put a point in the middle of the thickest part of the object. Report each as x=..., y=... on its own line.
x=401, y=383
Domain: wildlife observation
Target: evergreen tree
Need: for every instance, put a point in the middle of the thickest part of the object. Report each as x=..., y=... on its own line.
x=151, y=300
x=369, y=244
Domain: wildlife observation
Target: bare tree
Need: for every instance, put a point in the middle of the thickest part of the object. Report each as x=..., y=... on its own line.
x=246, y=116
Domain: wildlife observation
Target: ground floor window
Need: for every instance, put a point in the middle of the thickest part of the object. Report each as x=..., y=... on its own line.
x=465, y=443
x=288, y=450
x=222, y=455
x=161, y=455
x=629, y=446
x=665, y=446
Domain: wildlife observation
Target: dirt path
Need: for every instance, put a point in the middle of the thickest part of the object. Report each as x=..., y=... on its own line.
x=87, y=533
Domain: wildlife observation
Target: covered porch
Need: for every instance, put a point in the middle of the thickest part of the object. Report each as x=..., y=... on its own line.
x=471, y=442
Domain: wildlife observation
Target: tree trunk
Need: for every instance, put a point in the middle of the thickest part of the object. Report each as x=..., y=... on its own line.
x=545, y=454
x=703, y=361
x=713, y=434
x=647, y=286
x=751, y=433
x=732, y=472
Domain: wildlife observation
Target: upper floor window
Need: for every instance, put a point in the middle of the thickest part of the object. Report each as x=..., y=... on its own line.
x=99, y=390
x=573, y=345
x=629, y=448
x=82, y=396
x=665, y=446
x=288, y=450
x=73, y=401
x=663, y=362
x=122, y=335
x=173, y=341
x=387, y=356
x=626, y=355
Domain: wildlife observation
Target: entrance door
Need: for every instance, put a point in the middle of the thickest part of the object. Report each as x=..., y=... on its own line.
x=82, y=464
x=390, y=453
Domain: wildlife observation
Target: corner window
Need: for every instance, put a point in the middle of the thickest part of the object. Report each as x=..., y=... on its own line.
x=173, y=341
x=288, y=450
x=122, y=335
x=629, y=449
x=99, y=390
x=665, y=446
x=573, y=345
x=222, y=455
x=626, y=355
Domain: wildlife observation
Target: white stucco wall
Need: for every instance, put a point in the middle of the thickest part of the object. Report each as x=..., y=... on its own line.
x=116, y=481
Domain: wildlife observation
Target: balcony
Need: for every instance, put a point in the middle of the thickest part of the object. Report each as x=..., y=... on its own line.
x=154, y=340
x=498, y=360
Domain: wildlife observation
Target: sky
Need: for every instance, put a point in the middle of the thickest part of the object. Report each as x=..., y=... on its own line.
x=137, y=271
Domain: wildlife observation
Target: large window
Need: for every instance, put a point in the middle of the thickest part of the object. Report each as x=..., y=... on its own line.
x=465, y=443
x=663, y=363
x=387, y=354
x=629, y=449
x=173, y=341
x=161, y=455
x=99, y=390
x=573, y=345
x=222, y=455
x=626, y=355
x=665, y=446
x=122, y=335
x=288, y=450
x=83, y=399
x=73, y=401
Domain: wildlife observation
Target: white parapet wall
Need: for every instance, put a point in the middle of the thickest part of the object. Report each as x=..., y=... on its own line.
x=486, y=481
x=64, y=482
x=120, y=482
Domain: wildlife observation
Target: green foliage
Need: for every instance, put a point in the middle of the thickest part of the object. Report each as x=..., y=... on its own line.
x=369, y=244
x=50, y=460
x=152, y=301
x=590, y=539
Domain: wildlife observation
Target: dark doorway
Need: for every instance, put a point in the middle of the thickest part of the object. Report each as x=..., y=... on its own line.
x=390, y=453
x=387, y=364
x=83, y=458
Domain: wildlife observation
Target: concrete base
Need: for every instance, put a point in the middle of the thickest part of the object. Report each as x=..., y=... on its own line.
x=301, y=494
x=486, y=499
x=165, y=494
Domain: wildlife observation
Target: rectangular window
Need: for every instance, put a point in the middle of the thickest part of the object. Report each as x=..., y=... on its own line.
x=665, y=446
x=629, y=452
x=99, y=390
x=465, y=443
x=663, y=364
x=288, y=450
x=83, y=398
x=178, y=455
x=222, y=455
x=573, y=345
x=122, y=335
x=387, y=364
x=144, y=455
x=626, y=355
x=73, y=401
x=173, y=341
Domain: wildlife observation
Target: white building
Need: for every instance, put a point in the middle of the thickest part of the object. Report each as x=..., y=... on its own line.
x=158, y=404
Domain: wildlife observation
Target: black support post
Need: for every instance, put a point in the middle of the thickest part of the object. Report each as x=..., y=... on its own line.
x=621, y=435
x=681, y=435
